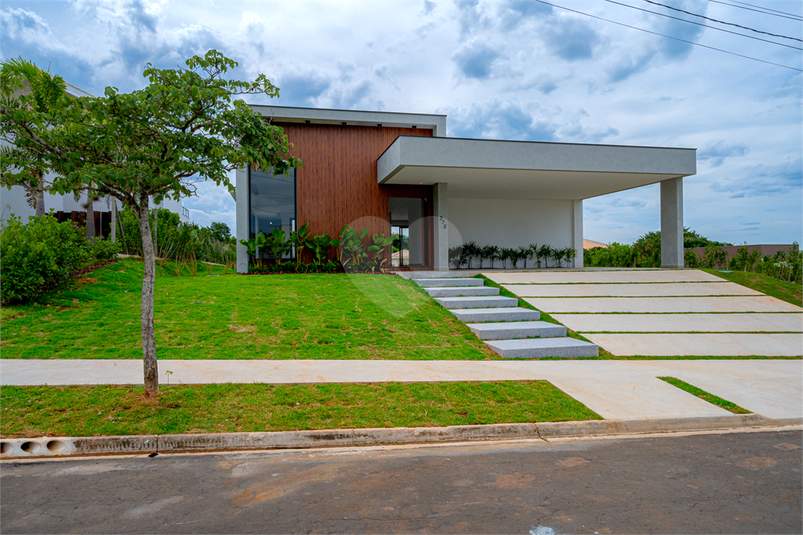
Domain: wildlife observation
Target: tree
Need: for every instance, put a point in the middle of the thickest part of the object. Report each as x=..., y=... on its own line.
x=220, y=231
x=42, y=94
x=152, y=144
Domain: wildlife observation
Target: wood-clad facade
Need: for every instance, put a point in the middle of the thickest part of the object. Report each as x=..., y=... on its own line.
x=337, y=184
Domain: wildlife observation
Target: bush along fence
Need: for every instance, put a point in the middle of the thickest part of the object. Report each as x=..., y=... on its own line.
x=40, y=256
x=184, y=244
x=783, y=265
x=464, y=256
x=351, y=252
x=646, y=252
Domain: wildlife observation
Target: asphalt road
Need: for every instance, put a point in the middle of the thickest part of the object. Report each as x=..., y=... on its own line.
x=711, y=483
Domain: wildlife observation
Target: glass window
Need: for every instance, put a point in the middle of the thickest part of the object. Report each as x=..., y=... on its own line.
x=272, y=205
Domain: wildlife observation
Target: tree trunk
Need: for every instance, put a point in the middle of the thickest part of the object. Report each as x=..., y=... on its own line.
x=155, y=232
x=146, y=317
x=40, y=196
x=90, y=218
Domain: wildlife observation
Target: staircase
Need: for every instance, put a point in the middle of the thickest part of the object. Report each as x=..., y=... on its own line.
x=509, y=330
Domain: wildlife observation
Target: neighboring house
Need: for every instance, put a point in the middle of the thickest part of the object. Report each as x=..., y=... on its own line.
x=591, y=244
x=398, y=173
x=66, y=207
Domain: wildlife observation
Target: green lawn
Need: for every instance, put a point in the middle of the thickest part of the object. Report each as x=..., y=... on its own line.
x=117, y=410
x=229, y=316
x=786, y=291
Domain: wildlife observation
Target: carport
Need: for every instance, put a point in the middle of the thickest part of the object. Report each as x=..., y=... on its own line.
x=514, y=190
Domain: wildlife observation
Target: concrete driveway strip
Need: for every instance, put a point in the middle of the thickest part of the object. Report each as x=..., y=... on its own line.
x=647, y=323
x=630, y=290
x=772, y=391
x=601, y=276
x=613, y=389
x=646, y=305
x=700, y=344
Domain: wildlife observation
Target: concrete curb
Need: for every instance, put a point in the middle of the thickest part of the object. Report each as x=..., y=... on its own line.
x=27, y=448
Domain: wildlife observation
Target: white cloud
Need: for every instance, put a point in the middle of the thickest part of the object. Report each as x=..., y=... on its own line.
x=534, y=72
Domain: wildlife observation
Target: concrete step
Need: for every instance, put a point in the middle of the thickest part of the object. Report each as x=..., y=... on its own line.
x=432, y=283
x=516, y=329
x=477, y=302
x=476, y=315
x=458, y=291
x=534, y=348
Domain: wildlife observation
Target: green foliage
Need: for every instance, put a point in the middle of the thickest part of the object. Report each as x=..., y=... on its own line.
x=378, y=245
x=299, y=240
x=320, y=245
x=184, y=243
x=744, y=259
x=647, y=250
x=615, y=255
x=220, y=231
x=103, y=250
x=353, y=255
x=38, y=257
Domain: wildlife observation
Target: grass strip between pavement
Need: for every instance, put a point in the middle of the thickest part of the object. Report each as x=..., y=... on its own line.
x=705, y=396
x=30, y=411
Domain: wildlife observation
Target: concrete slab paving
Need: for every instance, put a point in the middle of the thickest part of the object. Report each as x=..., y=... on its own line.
x=613, y=389
x=630, y=290
x=700, y=344
x=736, y=322
x=758, y=303
x=599, y=276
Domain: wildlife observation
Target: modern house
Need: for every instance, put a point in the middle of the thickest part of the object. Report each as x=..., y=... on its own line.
x=399, y=173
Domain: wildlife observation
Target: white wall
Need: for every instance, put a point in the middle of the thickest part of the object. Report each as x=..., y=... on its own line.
x=511, y=223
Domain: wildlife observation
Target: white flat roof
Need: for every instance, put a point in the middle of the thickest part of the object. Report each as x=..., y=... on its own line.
x=479, y=168
x=436, y=123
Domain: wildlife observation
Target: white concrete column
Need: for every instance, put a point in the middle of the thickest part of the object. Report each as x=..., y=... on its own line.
x=578, y=233
x=243, y=194
x=440, y=231
x=672, y=223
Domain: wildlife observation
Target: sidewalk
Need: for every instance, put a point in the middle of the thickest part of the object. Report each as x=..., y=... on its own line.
x=621, y=390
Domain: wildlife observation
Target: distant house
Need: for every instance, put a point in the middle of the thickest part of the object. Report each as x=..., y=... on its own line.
x=67, y=207
x=398, y=173
x=591, y=244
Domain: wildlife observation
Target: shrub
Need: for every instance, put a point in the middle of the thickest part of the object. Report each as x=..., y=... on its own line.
x=102, y=249
x=38, y=257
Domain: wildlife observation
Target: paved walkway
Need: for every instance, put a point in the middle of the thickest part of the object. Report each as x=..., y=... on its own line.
x=631, y=312
x=613, y=389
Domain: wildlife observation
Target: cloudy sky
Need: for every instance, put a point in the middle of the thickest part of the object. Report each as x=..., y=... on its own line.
x=516, y=69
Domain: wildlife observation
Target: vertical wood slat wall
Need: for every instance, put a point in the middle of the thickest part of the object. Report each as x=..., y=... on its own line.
x=337, y=184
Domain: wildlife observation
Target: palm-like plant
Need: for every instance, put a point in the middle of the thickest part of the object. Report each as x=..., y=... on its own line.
x=557, y=255
x=571, y=254
x=532, y=252
x=492, y=252
x=545, y=252
x=470, y=251
x=45, y=91
x=523, y=253
x=505, y=255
